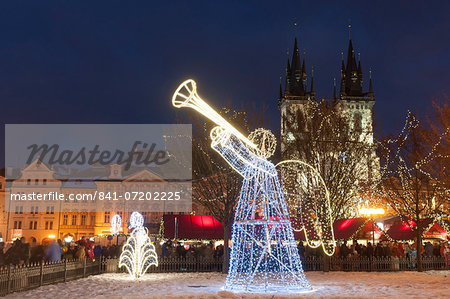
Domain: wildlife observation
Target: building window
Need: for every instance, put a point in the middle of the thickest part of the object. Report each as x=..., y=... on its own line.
x=65, y=219
x=46, y=225
x=28, y=181
x=17, y=210
x=107, y=217
x=92, y=220
x=47, y=210
x=74, y=219
x=51, y=224
x=15, y=224
x=31, y=224
x=83, y=219
x=21, y=210
x=36, y=209
x=358, y=122
x=36, y=181
x=35, y=225
x=44, y=181
x=52, y=210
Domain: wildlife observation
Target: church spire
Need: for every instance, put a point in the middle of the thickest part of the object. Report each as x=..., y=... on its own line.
x=334, y=89
x=351, y=84
x=288, y=87
x=296, y=71
x=370, y=84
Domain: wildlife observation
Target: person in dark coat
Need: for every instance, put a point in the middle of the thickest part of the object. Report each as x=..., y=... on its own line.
x=181, y=252
x=24, y=251
x=369, y=250
x=14, y=253
x=37, y=254
x=98, y=251
x=301, y=249
x=387, y=252
x=379, y=252
x=53, y=252
x=166, y=248
x=2, y=254
x=429, y=249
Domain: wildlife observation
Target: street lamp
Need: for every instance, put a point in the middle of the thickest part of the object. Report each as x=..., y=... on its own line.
x=371, y=213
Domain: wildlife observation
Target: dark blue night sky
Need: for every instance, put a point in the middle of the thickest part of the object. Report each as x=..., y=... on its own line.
x=119, y=61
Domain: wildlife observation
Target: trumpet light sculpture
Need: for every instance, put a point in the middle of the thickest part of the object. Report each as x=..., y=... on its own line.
x=138, y=253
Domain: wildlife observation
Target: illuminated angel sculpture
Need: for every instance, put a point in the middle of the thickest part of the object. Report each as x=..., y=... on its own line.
x=264, y=255
x=138, y=253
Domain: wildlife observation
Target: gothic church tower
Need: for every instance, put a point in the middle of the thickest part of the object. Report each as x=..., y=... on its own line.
x=351, y=102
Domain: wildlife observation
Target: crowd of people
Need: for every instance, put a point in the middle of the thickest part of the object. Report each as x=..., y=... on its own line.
x=20, y=252
x=178, y=249
x=382, y=249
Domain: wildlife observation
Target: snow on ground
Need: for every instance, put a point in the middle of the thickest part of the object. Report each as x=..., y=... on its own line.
x=432, y=284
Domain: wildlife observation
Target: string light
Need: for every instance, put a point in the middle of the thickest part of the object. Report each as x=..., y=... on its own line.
x=264, y=256
x=136, y=220
x=308, y=195
x=116, y=224
x=138, y=253
x=402, y=193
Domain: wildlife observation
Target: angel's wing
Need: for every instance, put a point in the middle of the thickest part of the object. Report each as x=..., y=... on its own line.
x=308, y=200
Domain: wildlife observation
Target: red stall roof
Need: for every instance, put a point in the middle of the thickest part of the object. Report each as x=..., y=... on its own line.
x=401, y=230
x=192, y=227
x=345, y=228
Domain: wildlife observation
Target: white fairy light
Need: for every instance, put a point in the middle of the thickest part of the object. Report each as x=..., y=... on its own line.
x=116, y=224
x=264, y=256
x=305, y=189
x=136, y=220
x=138, y=253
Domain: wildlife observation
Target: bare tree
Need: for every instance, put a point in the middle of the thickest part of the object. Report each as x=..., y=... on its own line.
x=322, y=136
x=409, y=187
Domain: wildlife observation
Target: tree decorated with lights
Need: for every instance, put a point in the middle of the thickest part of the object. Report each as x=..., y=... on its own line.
x=326, y=141
x=306, y=190
x=334, y=136
x=414, y=185
x=264, y=256
x=138, y=253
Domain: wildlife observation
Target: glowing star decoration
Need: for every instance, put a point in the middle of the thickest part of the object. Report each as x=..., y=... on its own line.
x=264, y=255
x=136, y=220
x=116, y=224
x=138, y=253
x=309, y=199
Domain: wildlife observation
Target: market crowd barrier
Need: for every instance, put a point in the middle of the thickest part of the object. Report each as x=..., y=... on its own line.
x=16, y=278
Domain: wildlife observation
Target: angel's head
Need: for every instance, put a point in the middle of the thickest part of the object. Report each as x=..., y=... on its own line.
x=265, y=142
